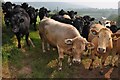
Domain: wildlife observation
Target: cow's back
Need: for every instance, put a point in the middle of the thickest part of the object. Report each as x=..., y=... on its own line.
x=56, y=32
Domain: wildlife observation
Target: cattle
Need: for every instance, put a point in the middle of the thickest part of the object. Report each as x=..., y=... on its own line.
x=72, y=14
x=78, y=22
x=87, y=23
x=111, y=25
x=7, y=10
x=20, y=21
x=33, y=16
x=65, y=37
x=103, y=44
x=24, y=6
x=43, y=12
x=116, y=46
x=62, y=12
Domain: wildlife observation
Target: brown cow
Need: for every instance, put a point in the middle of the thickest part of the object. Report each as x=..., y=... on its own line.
x=115, y=51
x=65, y=37
x=116, y=42
x=103, y=44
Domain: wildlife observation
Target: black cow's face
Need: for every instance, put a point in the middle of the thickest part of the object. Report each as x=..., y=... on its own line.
x=43, y=12
x=32, y=12
x=62, y=12
x=72, y=14
x=16, y=21
x=24, y=5
x=88, y=20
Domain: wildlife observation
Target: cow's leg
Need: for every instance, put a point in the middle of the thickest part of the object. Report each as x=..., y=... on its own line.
x=61, y=56
x=105, y=55
x=43, y=47
x=27, y=39
x=18, y=38
x=35, y=25
x=70, y=60
x=93, y=58
x=43, y=43
x=48, y=46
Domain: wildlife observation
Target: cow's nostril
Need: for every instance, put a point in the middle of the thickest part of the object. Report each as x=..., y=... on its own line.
x=101, y=49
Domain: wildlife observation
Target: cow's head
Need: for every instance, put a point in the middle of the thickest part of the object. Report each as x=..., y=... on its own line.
x=105, y=37
x=107, y=23
x=7, y=7
x=87, y=20
x=72, y=14
x=32, y=12
x=24, y=5
x=62, y=12
x=16, y=21
x=43, y=12
x=79, y=45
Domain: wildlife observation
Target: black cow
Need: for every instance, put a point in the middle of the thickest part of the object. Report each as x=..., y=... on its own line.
x=43, y=12
x=33, y=16
x=62, y=12
x=77, y=22
x=7, y=10
x=87, y=23
x=24, y=6
x=72, y=14
x=20, y=21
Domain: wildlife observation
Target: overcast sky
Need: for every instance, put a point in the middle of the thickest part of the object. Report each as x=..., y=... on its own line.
x=89, y=3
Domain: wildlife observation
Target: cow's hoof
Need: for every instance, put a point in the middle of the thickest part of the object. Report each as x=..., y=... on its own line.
x=101, y=72
x=19, y=46
x=53, y=49
x=59, y=69
x=90, y=68
x=48, y=49
x=70, y=64
x=44, y=51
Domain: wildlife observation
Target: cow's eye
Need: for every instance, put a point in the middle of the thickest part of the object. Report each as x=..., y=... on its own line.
x=109, y=38
x=98, y=36
x=73, y=48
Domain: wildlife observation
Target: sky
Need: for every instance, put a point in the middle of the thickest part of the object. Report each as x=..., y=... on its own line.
x=90, y=3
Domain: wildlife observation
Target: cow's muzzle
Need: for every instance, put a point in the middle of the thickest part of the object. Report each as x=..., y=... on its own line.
x=76, y=60
x=101, y=50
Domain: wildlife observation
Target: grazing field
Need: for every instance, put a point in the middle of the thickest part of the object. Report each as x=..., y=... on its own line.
x=33, y=63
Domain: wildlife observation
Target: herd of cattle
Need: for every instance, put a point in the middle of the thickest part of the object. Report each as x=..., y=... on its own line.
x=69, y=33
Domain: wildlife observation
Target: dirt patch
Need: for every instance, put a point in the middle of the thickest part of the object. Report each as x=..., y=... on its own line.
x=25, y=70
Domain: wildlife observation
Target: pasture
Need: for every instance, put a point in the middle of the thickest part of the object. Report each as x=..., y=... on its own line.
x=33, y=63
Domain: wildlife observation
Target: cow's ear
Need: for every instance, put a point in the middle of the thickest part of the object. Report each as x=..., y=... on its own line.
x=115, y=36
x=75, y=13
x=90, y=45
x=21, y=20
x=36, y=10
x=69, y=41
x=94, y=32
x=68, y=12
x=48, y=11
x=100, y=22
x=13, y=4
x=92, y=19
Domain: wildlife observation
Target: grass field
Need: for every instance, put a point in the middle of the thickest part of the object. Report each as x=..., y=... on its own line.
x=32, y=62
